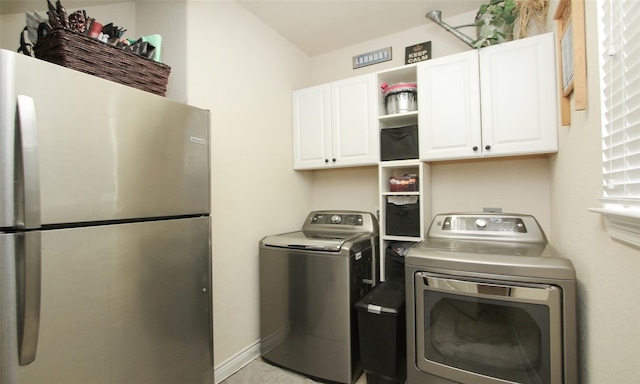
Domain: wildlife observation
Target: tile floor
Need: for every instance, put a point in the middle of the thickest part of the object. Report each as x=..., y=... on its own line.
x=259, y=372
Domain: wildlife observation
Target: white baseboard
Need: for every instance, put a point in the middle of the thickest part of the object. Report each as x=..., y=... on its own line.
x=236, y=362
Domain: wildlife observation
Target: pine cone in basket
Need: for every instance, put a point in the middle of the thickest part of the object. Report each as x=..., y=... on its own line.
x=57, y=15
x=78, y=21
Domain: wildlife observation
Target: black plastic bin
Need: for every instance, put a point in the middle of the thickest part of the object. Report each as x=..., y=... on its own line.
x=394, y=260
x=382, y=333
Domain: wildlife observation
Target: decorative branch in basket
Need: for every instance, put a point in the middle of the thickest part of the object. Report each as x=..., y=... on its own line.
x=57, y=15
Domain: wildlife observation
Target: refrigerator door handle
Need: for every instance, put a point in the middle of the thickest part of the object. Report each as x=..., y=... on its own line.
x=28, y=272
x=28, y=164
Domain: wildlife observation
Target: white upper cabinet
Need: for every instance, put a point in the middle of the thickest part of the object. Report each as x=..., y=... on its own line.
x=449, y=105
x=495, y=101
x=311, y=127
x=519, y=97
x=335, y=125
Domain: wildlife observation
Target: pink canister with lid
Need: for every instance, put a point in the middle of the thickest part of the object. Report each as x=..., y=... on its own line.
x=400, y=97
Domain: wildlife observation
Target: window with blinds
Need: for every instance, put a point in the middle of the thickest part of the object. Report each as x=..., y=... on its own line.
x=620, y=77
x=619, y=22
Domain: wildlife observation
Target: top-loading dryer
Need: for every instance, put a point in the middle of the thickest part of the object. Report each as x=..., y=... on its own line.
x=489, y=301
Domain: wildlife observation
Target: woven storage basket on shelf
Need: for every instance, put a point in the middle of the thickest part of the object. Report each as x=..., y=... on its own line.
x=83, y=53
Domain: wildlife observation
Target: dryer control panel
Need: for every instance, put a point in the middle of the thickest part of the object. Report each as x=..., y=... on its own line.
x=487, y=226
x=492, y=223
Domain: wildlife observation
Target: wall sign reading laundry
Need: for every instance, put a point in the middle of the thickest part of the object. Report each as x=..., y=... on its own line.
x=373, y=57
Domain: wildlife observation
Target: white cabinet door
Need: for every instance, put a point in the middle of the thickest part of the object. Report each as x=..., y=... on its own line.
x=449, y=105
x=334, y=125
x=519, y=97
x=312, y=127
x=354, y=122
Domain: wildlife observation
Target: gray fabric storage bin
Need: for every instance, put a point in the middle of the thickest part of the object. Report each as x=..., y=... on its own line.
x=399, y=143
x=403, y=220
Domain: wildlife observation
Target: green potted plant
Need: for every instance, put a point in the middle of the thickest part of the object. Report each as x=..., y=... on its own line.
x=494, y=22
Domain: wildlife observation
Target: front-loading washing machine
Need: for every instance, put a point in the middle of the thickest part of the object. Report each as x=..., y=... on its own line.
x=489, y=301
x=310, y=281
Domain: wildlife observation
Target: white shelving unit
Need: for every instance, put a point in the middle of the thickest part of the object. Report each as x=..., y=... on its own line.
x=406, y=74
x=395, y=168
x=388, y=169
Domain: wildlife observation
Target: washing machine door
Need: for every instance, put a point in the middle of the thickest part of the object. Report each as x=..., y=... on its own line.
x=472, y=331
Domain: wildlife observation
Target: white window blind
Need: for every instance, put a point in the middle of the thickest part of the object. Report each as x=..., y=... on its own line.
x=620, y=77
x=619, y=22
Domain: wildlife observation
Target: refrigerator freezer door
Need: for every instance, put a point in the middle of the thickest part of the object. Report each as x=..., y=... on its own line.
x=120, y=304
x=106, y=151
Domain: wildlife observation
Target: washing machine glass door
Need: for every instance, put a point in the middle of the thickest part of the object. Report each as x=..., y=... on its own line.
x=487, y=331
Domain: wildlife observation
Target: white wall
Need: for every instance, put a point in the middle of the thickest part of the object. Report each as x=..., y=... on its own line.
x=169, y=19
x=337, y=65
x=245, y=72
x=360, y=194
x=608, y=271
x=519, y=185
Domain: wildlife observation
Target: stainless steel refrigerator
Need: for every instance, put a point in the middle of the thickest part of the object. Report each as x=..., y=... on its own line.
x=105, y=251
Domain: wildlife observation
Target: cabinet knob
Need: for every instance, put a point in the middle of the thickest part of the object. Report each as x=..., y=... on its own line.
x=334, y=160
x=326, y=160
x=475, y=148
x=488, y=147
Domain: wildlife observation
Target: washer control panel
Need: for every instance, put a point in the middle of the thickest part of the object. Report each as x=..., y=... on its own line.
x=337, y=219
x=487, y=226
x=341, y=221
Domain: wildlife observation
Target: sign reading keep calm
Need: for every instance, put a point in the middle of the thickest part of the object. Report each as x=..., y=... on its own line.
x=417, y=53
